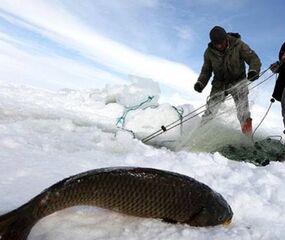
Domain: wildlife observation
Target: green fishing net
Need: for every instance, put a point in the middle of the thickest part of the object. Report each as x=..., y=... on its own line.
x=259, y=153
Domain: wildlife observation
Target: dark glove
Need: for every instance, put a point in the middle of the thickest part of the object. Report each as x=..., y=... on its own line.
x=252, y=75
x=198, y=87
x=274, y=67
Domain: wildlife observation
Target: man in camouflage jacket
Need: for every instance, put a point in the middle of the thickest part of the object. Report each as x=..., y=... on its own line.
x=225, y=57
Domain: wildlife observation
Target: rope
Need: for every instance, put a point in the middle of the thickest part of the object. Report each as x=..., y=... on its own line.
x=180, y=113
x=167, y=127
x=173, y=124
x=128, y=109
x=164, y=129
x=247, y=84
x=272, y=100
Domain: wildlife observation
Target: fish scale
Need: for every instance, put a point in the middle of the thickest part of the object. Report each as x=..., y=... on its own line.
x=141, y=192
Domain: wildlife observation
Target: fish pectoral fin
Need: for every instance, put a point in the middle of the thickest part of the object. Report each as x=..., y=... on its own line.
x=168, y=220
x=192, y=220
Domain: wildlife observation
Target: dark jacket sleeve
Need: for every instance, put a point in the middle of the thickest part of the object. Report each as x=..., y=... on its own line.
x=206, y=71
x=250, y=57
x=280, y=82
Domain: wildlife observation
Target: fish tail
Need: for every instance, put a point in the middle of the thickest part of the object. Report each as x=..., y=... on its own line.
x=17, y=224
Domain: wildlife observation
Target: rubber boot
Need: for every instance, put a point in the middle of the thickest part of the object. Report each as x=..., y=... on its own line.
x=247, y=127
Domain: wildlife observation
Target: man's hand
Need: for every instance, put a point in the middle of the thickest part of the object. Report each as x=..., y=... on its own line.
x=274, y=67
x=198, y=87
x=252, y=75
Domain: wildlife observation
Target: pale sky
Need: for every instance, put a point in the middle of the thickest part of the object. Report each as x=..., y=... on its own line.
x=87, y=44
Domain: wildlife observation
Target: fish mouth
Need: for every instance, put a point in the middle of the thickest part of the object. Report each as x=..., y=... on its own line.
x=227, y=222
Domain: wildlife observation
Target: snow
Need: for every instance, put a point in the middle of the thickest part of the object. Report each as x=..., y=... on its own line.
x=46, y=136
x=139, y=91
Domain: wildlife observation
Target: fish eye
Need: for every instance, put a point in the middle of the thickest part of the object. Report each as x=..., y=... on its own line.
x=220, y=218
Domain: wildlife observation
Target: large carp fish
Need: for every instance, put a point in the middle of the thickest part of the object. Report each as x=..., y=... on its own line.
x=142, y=192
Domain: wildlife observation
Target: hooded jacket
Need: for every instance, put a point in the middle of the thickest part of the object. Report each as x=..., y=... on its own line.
x=280, y=82
x=228, y=66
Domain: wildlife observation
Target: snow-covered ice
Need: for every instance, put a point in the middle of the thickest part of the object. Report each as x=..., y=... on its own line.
x=46, y=136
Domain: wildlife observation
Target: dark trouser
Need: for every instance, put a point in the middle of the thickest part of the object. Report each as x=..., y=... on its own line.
x=240, y=97
x=283, y=107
